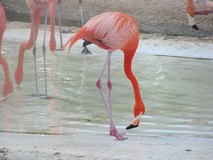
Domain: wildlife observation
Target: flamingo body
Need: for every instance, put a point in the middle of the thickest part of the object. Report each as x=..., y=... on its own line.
x=109, y=31
x=7, y=85
x=112, y=31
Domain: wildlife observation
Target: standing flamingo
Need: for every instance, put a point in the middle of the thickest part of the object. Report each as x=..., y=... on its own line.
x=35, y=7
x=190, y=9
x=112, y=31
x=7, y=86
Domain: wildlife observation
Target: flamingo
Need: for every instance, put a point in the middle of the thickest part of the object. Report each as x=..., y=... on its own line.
x=35, y=7
x=112, y=31
x=7, y=86
x=190, y=9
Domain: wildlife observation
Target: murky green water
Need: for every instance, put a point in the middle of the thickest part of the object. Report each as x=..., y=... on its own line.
x=178, y=94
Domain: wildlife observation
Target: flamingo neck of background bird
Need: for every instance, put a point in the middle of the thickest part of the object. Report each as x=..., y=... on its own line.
x=190, y=8
x=52, y=7
x=3, y=62
x=1, y=35
x=3, y=24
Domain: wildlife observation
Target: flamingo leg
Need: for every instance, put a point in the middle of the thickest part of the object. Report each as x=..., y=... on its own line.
x=81, y=11
x=109, y=84
x=86, y=43
x=44, y=51
x=59, y=23
x=113, y=130
x=34, y=52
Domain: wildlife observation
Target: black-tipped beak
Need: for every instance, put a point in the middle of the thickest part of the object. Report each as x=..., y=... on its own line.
x=135, y=122
x=195, y=27
x=131, y=126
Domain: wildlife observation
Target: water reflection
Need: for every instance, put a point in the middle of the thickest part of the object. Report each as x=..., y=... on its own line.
x=178, y=94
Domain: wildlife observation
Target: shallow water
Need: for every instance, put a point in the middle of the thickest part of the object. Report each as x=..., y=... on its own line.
x=177, y=92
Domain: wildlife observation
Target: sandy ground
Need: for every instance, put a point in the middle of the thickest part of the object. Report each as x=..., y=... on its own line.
x=92, y=145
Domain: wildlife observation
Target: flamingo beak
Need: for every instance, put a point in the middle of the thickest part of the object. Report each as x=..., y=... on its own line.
x=195, y=27
x=135, y=122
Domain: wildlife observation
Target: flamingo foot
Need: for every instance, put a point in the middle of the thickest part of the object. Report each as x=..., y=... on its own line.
x=86, y=51
x=114, y=132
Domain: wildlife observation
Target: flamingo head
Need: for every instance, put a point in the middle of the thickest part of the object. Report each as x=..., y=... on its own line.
x=190, y=10
x=192, y=22
x=136, y=121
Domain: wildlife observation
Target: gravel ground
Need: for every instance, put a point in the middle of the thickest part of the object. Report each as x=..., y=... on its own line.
x=167, y=17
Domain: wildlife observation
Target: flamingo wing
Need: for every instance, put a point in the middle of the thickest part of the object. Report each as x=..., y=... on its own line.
x=110, y=30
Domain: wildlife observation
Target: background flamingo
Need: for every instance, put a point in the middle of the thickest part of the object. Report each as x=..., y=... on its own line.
x=190, y=9
x=7, y=86
x=112, y=31
x=35, y=7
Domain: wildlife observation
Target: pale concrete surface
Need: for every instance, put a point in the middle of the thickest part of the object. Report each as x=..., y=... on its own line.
x=86, y=146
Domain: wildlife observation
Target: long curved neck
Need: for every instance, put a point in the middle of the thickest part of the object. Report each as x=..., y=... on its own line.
x=1, y=35
x=52, y=26
x=3, y=62
x=139, y=105
x=2, y=23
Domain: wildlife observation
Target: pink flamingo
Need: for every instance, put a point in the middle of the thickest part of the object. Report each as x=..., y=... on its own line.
x=7, y=86
x=190, y=9
x=112, y=31
x=35, y=7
